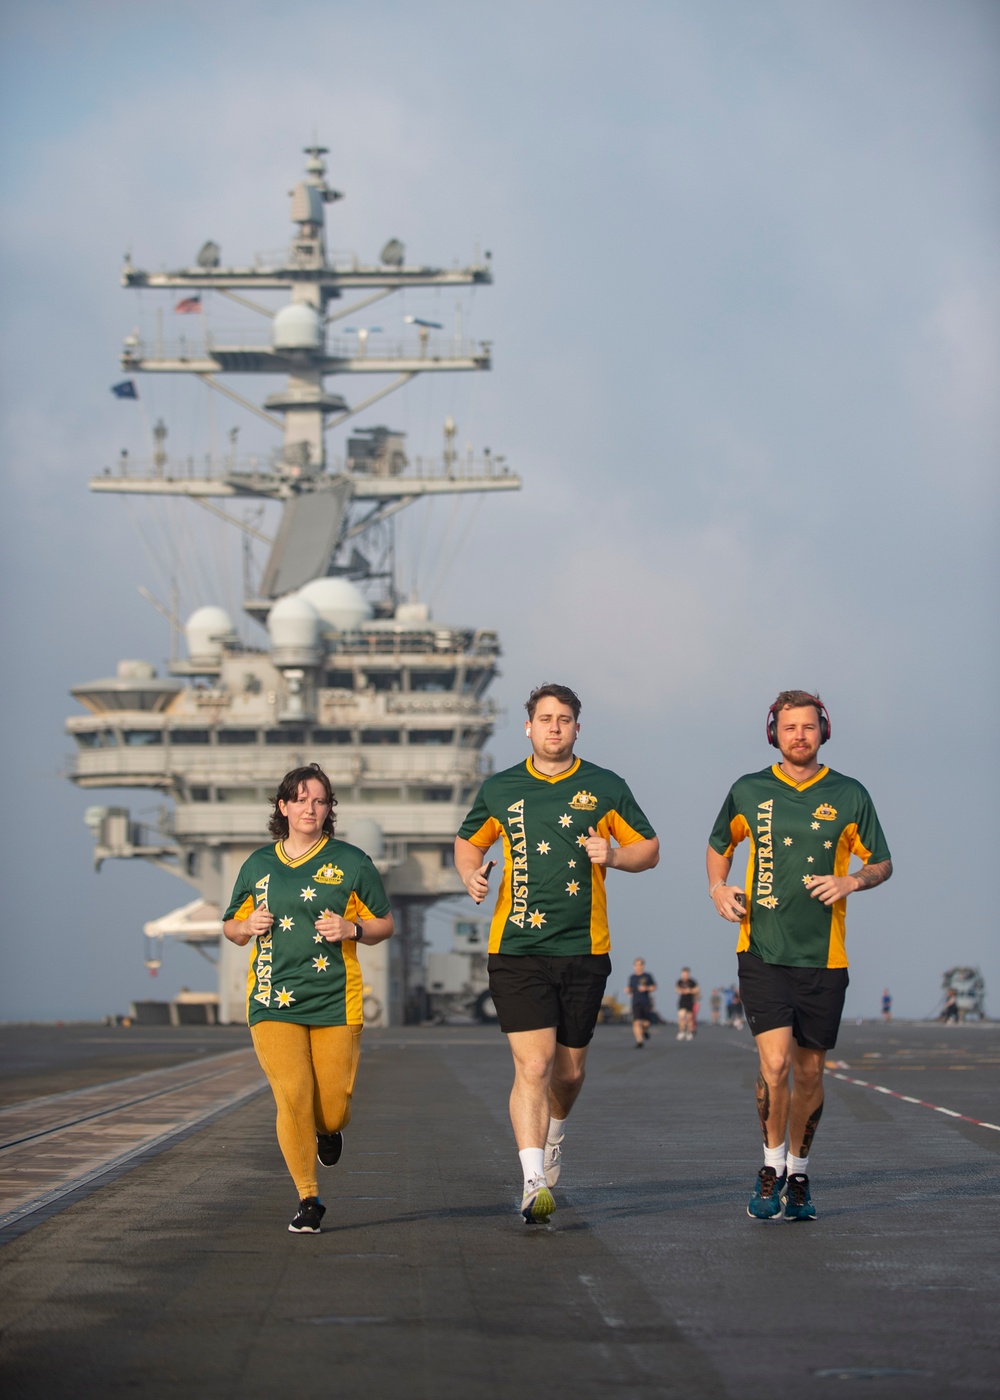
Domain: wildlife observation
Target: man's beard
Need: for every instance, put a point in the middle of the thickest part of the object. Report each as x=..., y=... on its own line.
x=800, y=756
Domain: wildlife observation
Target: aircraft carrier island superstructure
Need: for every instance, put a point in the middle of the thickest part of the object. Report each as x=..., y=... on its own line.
x=391, y=703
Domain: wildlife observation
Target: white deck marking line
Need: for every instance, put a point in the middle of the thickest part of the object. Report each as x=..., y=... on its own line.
x=908, y=1098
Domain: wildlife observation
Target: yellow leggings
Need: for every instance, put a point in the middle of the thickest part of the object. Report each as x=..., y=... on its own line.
x=311, y=1071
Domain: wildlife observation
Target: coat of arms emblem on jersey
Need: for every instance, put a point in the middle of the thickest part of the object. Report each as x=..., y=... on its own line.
x=329, y=875
x=825, y=812
x=583, y=801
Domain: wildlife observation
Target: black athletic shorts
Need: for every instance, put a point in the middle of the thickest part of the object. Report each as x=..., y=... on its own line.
x=809, y=999
x=642, y=1009
x=685, y=1002
x=534, y=992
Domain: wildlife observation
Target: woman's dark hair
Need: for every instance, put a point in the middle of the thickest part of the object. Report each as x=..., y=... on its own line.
x=288, y=791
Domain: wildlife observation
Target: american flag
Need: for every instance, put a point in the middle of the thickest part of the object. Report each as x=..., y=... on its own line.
x=189, y=305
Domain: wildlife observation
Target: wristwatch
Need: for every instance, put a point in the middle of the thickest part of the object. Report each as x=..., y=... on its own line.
x=357, y=933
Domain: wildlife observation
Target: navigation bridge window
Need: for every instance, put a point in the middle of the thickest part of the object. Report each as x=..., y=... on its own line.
x=284, y=736
x=237, y=736
x=475, y=681
x=430, y=794
x=437, y=680
x=381, y=736
x=190, y=736
x=97, y=739
x=382, y=681
x=331, y=736
x=139, y=737
x=432, y=736
x=339, y=680
x=237, y=794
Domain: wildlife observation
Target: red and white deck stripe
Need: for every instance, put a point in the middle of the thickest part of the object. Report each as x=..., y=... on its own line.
x=908, y=1098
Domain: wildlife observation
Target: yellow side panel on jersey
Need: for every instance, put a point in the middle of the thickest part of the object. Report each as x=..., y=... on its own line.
x=490, y=831
x=600, y=933
x=357, y=911
x=245, y=909
x=615, y=825
x=837, y=954
x=505, y=895
x=354, y=986
x=739, y=829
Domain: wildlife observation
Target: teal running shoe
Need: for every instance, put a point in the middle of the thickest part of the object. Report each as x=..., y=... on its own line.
x=765, y=1203
x=796, y=1198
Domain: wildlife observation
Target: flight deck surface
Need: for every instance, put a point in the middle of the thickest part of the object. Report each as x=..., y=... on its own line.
x=177, y=1274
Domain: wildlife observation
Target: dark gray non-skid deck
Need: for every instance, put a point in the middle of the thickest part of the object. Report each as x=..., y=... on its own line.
x=179, y=1277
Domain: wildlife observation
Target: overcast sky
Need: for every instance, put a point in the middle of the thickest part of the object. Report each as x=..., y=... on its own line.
x=746, y=360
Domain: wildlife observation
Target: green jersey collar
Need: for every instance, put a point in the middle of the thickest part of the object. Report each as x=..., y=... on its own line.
x=554, y=777
x=799, y=787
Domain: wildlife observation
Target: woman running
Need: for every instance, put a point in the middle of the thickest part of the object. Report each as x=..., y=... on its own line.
x=301, y=899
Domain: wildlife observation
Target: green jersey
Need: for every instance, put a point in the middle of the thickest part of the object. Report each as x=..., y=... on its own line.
x=796, y=830
x=295, y=974
x=551, y=899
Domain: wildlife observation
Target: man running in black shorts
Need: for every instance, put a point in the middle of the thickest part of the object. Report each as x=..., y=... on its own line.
x=804, y=822
x=558, y=817
x=641, y=986
x=687, y=990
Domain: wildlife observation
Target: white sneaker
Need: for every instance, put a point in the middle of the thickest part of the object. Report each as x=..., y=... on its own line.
x=680, y=1035
x=553, y=1161
x=537, y=1203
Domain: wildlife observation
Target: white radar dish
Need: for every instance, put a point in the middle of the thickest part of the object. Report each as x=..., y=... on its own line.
x=293, y=622
x=205, y=632
x=297, y=327
x=340, y=603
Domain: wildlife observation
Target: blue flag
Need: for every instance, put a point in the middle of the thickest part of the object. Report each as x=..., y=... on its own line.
x=125, y=390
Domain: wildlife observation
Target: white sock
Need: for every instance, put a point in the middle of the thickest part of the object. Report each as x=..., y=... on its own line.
x=557, y=1130
x=797, y=1165
x=775, y=1157
x=532, y=1162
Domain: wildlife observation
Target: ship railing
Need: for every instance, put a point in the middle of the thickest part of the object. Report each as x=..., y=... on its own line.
x=207, y=466
x=437, y=703
x=182, y=349
x=444, y=642
x=425, y=763
x=253, y=470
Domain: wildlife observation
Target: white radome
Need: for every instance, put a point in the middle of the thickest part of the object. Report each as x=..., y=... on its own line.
x=204, y=632
x=297, y=327
x=340, y=603
x=293, y=622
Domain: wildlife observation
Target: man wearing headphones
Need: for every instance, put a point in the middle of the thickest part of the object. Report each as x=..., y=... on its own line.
x=804, y=822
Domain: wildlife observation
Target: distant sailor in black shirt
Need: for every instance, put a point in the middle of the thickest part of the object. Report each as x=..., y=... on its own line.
x=641, y=986
x=557, y=817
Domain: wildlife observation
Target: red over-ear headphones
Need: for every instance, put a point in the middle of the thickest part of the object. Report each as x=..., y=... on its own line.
x=824, y=722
